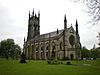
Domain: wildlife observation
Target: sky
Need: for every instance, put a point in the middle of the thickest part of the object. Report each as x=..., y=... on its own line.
x=14, y=19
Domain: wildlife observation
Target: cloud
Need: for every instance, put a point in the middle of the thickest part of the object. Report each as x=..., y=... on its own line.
x=10, y=27
x=14, y=19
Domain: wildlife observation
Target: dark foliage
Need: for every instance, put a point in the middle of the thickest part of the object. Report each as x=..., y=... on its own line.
x=8, y=48
x=68, y=63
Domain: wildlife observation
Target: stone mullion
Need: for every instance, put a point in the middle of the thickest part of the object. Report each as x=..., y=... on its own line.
x=34, y=52
x=49, y=47
x=44, y=49
x=39, y=52
x=39, y=48
x=50, y=51
x=56, y=51
x=44, y=52
x=66, y=46
x=30, y=52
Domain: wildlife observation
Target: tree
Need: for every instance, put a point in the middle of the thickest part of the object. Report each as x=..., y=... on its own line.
x=98, y=52
x=95, y=53
x=17, y=50
x=85, y=53
x=93, y=9
x=8, y=48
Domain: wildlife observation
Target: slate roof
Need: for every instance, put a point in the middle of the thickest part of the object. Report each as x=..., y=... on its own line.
x=51, y=34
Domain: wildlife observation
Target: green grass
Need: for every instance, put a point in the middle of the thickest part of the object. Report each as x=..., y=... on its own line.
x=39, y=67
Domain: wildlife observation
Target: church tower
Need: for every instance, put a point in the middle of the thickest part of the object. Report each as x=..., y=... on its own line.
x=33, y=25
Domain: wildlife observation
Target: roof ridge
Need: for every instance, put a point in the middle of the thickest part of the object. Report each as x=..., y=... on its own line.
x=52, y=32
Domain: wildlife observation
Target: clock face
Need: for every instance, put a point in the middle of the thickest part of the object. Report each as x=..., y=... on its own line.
x=72, y=40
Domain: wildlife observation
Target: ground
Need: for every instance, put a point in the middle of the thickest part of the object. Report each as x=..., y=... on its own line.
x=40, y=67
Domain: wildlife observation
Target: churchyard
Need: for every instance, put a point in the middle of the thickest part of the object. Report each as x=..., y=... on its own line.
x=41, y=67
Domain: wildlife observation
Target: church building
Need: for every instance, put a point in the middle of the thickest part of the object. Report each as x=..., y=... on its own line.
x=59, y=44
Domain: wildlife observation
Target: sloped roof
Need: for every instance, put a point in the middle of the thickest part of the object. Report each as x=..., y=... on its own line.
x=51, y=34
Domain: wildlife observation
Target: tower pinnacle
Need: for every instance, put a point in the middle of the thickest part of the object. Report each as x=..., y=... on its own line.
x=29, y=14
x=76, y=27
x=57, y=31
x=39, y=14
x=33, y=12
x=65, y=22
x=65, y=18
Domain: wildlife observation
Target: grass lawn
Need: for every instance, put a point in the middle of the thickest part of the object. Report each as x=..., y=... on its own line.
x=40, y=67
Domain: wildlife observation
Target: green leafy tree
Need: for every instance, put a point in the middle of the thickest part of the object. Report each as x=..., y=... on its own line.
x=85, y=53
x=98, y=52
x=8, y=48
x=17, y=50
x=95, y=53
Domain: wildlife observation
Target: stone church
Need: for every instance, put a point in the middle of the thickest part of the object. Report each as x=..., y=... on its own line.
x=59, y=44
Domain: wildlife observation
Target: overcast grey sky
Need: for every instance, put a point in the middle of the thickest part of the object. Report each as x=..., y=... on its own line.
x=14, y=19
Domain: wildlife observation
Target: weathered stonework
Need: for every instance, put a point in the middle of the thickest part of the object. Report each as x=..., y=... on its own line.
x=55, y=43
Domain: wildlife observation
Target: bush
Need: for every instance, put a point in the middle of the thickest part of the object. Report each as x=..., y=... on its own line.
x=53, y=62
x=49, y=61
